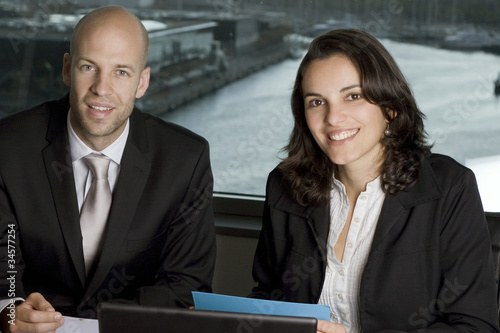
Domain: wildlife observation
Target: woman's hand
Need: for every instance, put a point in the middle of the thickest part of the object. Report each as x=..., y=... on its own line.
x=327, y=327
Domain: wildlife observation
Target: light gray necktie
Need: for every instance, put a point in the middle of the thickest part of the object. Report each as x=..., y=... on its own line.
x=95, y=209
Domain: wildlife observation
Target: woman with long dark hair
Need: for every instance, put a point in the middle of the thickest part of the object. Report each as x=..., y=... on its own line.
x=361, y=216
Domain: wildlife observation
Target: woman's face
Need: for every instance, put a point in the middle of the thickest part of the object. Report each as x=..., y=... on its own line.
x=346, y=127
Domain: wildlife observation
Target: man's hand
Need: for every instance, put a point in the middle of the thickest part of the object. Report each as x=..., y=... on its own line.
x=36, y=315
x=327, y=327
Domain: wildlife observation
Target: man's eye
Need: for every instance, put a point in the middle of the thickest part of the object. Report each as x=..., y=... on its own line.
x=87, y=68
x=122, y=73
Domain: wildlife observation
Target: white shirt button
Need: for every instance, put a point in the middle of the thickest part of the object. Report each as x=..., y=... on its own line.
x=363, y=197
x=340, y=296
x=341, y=272
x=349, y=245
x=356, y=219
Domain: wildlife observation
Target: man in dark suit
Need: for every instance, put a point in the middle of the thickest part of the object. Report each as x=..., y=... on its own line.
x=158, y=240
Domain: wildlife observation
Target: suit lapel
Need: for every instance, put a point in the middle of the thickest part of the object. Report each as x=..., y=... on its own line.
x=392, y=209
x=319, y=222
x=317, y=218
x=425, y=189
x=134, y=173
x=57, y=159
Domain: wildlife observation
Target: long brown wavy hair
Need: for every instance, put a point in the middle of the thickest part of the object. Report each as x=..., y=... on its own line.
x=307, y=171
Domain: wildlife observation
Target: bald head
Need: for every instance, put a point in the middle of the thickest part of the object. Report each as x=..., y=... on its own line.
x=112, y=17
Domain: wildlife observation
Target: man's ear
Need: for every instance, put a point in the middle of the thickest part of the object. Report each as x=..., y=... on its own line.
x=66, y=70
x=143, y=83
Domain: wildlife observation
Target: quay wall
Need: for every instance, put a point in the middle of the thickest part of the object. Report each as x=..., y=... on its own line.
x=161, y=100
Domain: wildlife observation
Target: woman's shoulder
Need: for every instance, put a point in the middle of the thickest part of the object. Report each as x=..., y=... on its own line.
x=275, y=186
x=275, y=175
x=444, y=164
x=278, y=195
x=448, y=171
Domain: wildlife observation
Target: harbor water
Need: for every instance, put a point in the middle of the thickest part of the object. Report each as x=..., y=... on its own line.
x=248, y=122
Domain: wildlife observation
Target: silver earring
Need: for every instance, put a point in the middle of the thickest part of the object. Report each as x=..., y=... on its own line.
x=387, y=131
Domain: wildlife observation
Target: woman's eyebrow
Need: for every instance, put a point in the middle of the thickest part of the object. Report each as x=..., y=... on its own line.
x=312, y=95
x=350, y=87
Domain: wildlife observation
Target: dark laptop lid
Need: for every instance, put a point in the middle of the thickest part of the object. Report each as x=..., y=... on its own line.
x=123, y=318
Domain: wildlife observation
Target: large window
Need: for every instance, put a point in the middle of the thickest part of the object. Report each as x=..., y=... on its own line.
x=225, y=69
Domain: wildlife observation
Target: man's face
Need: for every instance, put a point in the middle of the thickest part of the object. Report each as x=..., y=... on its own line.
x=105, y=74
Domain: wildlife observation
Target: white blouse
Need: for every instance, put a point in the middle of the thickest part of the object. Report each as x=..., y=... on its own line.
x=342, y=281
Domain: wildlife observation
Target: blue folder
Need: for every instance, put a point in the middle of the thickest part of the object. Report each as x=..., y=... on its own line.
x=217, y=302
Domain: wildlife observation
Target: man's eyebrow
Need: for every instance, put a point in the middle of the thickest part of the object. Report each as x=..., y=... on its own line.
x=118, y=66
x=83, y=59
x=129, y=67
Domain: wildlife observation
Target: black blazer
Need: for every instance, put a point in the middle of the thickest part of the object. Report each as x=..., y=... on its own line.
x=159, y=243
x=430, y=264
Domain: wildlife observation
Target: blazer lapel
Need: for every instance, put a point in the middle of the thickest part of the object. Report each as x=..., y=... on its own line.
x=392, y=209
x=425, y=189
x=134, y=173
x=317, y=218
x=57, y=159
x=319, y=222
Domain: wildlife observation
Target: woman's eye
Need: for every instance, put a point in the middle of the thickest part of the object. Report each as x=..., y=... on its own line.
x=353, y=97
x=316, y=102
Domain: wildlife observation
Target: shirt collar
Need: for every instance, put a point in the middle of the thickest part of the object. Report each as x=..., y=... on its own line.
x=374, y=186
x=114, y=151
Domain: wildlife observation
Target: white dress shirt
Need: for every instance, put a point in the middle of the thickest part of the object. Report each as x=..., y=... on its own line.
x=83, y=175
x=342, y=281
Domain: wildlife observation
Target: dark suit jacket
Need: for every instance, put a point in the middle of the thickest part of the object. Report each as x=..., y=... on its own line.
x=159, y=243
x=430, y=264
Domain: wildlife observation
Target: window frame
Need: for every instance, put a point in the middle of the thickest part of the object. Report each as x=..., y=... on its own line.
x=238, y=215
